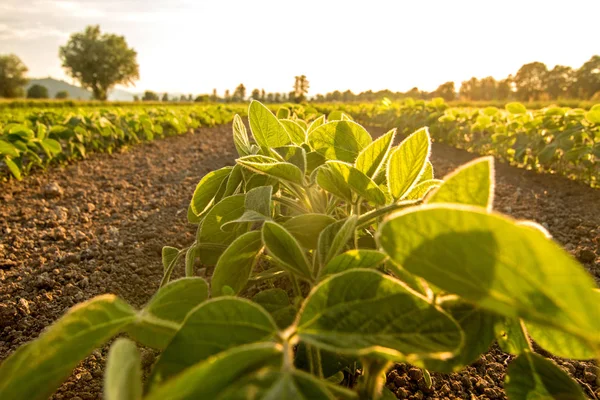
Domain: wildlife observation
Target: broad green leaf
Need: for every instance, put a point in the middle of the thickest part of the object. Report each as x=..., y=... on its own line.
x=36, y=369
x=353, y=259
x=272, y=167
x=51, y=146
x=363, y=311
x=296, y=132
x=160, y=319
x=547, y=154
x=282, y=246
x=316, y=123
x=478, y=327
x=190, y=260
x=314, y=160
x=511, y=336
x=13, y=168
x=490, y=260
x=334, y=237
x=248, y=216
x=123, y=375
x=234, y=181
x=169, y=254
x=8, y=149
x=293, y=154
x=335, y=115
x=267, y=130
x=422, y=189
x=306, y=228
x=259, y=200
x=283, y=113
x=559, y=343
x=593, y=116
x=516, y=108
x=329, y=179
x=236, y=263
x=214, y=326
x=340, y=140
x=371, y=158
x=531, y=376
x=471, y=183
x=407, y=162
x=214, y=376
x=207, y=189
x=277, y=302
x=240, y=136
x=351, y=177
x=258, y=180
x=228, y=209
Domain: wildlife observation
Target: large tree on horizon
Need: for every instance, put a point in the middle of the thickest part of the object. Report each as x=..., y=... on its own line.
x=99, y=61
x=12, y=76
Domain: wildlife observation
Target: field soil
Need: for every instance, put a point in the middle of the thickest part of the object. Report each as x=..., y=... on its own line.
x=98, y=226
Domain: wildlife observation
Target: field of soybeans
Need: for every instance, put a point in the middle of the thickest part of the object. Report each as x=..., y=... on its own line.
x=412, y=250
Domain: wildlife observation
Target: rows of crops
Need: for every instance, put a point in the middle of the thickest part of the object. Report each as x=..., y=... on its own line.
x=354, y=256
x=35, y=137
x=554, y=139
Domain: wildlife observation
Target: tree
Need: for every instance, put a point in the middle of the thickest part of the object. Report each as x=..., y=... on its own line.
x=262, y=95
x=239, y=94
x=446, y=91
x=588, y=78
x=202, y=98
x=37, y=92
x=165, y=97
x=470, y=90
x=136, y=98
x=277, y=97
x=149, y=96
x=301, y=86
x=214, y=96
x=530, y=81
x=227, y=96
x=12, y=76
x=270, y=98
x=560, y=82
x=488, y=87
x=255, y=94
x=61, y=94
x=99, y=61
x=504, y=89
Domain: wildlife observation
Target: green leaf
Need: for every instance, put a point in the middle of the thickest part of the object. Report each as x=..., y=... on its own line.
x=13, y=168
x=240, y=136
x=329, y=179
x=160, y=319
x=353, y=259
x=516, y=108
x=169, y=254
x=362, y=312
x=283, y=113
x=511, y=336
x=306, y=228
x=236, y=263
x=407, y=163
x=313, y=161
x=296, y=132
x=344, y=175
x=293, y=154
x=259, y=200
x=421, y=190
x=8, y=149
x=123, y=375
x=277, y=303
x=36, y=369
x=316, y=123
x=282, y=246
x=490, y=260
x=334, y=237
x=372, y=157
x=593, y=116
x=559, y=343
x=234, y=181
x=412, y=281
x=340, y=140
x=478, y=327
x=51, y=146
x=214, y=326
x=207, y=189
x=272, y=167
x=214, y=376
x=267, y=130
x=530, y=376
x=471, y=183
x=210, y=232
x=427, y=173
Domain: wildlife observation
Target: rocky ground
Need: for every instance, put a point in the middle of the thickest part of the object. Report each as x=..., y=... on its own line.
x=98, y=226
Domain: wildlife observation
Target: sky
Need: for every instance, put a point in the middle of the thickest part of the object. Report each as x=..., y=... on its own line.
x=194, y=46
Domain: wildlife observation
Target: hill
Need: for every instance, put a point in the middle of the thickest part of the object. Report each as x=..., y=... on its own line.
x=76, y=92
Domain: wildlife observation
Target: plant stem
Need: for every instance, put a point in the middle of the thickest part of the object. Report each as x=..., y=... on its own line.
x=296, y=285
x=366, y=218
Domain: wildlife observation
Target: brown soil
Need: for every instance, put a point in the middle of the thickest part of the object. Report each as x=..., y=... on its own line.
x=98, y=226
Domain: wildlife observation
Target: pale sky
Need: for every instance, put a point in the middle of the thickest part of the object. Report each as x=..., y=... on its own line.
x=194, y=46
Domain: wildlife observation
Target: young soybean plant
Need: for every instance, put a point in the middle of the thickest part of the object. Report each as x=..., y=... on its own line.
x=385, y=264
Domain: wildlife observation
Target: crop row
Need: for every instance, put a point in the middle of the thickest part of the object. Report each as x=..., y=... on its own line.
x=32, y=138
x=554, y=139
x=335, y=255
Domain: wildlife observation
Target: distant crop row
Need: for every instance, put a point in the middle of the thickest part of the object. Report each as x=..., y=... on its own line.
x=31, y=138
x=554, y=139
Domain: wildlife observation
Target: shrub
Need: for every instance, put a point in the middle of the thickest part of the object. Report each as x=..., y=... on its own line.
x=37, y=92
x=353, y=255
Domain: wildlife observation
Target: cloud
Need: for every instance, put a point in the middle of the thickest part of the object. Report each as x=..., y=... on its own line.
x=28, y=33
